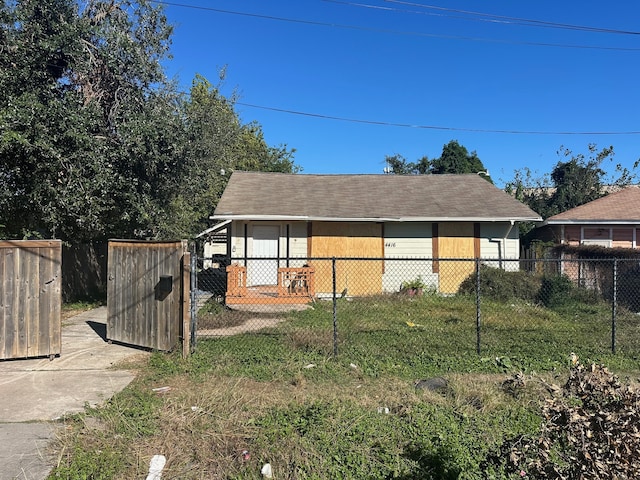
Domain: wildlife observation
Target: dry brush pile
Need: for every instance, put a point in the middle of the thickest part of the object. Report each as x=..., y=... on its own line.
x=591, y=430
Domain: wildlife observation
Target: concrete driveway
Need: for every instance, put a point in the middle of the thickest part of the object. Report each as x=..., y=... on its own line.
x=36, y=392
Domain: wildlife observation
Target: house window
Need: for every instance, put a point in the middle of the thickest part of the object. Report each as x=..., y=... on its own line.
x=622, y=237
x=600, y=236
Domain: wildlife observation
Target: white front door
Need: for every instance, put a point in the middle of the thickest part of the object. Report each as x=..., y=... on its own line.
x=265, y=245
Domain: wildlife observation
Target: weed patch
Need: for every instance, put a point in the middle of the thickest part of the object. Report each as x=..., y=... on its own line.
x=280, y=396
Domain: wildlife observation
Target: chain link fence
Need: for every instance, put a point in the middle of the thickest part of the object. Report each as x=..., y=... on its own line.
x=438, y=307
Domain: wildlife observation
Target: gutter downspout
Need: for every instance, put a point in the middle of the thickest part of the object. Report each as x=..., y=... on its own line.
x=499, y=242
x=506, y=236
x=502, y=243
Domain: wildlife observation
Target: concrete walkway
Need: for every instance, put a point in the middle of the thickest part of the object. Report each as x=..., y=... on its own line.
x=36, y=392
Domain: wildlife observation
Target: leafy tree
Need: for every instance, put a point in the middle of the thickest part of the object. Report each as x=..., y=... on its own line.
x=41, y=127
x=95, y=141
x=398, y=165
x=455, y=158
x=76, y=107
x=573, y=182
x=216, y=144
x=136, y=111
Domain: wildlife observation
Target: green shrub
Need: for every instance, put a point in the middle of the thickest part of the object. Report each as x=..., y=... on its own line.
x=586, y=296
x=212, y=307
x=555, y=290
x=628, y=288
x=502, y=285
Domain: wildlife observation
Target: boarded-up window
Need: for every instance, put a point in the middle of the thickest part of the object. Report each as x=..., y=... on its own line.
x=348, y=240
x=455, y=241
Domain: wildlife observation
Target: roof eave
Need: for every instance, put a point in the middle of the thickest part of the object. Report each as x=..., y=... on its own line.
x=215, y=228
x=306, y=218
x=589, y=222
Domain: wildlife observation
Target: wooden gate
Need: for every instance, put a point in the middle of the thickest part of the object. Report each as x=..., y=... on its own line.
x=30, y=298
x=145, y=293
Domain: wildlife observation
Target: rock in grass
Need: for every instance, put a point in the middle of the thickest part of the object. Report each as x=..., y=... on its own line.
x=435, y=384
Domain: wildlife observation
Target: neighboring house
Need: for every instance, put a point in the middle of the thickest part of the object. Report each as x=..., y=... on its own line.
x=609, y=221
x=293, y=219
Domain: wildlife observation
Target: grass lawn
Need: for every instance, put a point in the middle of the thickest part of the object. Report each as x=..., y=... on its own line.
x=280, y=394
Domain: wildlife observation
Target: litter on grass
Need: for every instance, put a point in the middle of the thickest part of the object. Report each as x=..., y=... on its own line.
x=156, y=465
x=266, y=471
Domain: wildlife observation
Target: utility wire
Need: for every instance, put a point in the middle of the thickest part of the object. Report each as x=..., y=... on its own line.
x=388, y=31
x=392, y=124
x=233, y=103
x=429, y=127
x=518, y=20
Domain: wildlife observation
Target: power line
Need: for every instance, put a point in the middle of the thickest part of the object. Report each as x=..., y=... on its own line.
x=417, y=126
x=428, y=127
x=518, y=20
x=388, y=31
x=392, y=124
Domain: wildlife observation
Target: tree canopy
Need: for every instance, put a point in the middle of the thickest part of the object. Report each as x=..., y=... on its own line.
x=94, y=139
x=454, y=158
x=575, y=180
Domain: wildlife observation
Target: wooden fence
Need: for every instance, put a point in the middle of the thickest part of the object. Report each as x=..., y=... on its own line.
x=30, y=298
x=145, y=297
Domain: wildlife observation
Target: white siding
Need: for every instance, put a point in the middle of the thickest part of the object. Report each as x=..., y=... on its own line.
x=211, y=249
x=298, y=241
x=500, y=241
x=407, y=240
x=237, y=239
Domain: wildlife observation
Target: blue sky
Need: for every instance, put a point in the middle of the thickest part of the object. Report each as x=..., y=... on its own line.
x=400, y=63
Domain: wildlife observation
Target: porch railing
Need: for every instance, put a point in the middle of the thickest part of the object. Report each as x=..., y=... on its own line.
x=292, y=282
x=236, y=281
x=296, y=282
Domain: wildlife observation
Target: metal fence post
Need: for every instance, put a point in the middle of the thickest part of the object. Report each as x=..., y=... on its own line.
x=335, y=307
x=194, y=288
x=614, y=305
x=478, y=305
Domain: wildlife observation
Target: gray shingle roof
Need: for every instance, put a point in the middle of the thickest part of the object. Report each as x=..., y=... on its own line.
x=368, y=197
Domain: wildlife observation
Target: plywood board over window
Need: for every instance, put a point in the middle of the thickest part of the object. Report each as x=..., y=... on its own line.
x=456, y=241
x=348, y=240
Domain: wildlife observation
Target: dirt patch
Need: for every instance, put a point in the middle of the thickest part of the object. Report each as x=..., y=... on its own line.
x=250, y=325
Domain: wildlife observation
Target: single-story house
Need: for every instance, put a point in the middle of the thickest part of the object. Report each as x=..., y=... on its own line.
x=297, y=219
x=609, y=221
